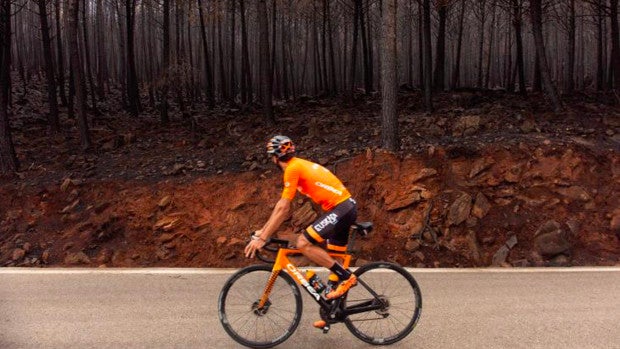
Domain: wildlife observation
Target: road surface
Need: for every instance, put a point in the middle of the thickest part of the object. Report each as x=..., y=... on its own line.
x=177, y=308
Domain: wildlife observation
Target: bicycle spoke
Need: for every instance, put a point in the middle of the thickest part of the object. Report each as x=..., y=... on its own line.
x=259, y=327
x=399, y=300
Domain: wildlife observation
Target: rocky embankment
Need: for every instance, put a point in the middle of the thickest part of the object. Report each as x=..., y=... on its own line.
x=517, y=204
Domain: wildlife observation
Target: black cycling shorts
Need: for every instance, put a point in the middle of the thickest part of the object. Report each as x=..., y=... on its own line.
x=333, y=226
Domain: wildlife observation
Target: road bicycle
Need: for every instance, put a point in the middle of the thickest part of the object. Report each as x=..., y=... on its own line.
x=260, y=306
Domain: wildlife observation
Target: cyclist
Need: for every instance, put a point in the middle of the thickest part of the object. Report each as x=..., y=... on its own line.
x=332, y=228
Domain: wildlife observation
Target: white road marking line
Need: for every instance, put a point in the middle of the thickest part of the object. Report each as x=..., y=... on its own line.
x=225, y=271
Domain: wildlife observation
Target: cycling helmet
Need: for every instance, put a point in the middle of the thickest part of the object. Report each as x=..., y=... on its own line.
x=281, y=146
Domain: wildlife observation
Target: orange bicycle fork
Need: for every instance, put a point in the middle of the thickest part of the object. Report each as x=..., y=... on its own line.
x=282, y=263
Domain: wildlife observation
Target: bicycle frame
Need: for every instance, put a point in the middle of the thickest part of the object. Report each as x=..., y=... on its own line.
x=283, y=263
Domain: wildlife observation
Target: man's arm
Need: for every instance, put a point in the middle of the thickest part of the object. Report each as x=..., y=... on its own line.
x=278, y=215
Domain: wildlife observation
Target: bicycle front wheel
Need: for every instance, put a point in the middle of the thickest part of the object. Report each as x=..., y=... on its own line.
x=254, y=326
x=396, y=291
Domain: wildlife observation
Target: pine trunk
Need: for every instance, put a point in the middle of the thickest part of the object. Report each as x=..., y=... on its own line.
x=246, y=75
x=102, y=70
x=163, y=108
x=615, y=42
x=220, y=50
x=365, y=51
x=266, y=83
x=8, y=158
x=89, y=74
x=332, y=59
x=233, y=50
x=389, y=114
x=600, y=62
x=482, y=10
x=133, y=92
x=457, y=65
x=60, y=58
x=353, y=68
x=428, y=64
x=570, y=76
x=536, y=15
x=205, y=48
x=440, y=56
x=518, y=24
x=49, y=67
x=78, y=76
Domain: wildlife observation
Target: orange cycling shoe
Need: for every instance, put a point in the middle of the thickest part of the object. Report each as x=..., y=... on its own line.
x=320, y=324
x=343, y=287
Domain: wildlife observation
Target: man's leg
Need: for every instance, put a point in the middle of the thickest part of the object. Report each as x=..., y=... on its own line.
x=322, y=258
x=314, y=252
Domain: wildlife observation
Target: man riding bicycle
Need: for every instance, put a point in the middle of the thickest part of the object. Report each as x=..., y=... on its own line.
x=332, y=228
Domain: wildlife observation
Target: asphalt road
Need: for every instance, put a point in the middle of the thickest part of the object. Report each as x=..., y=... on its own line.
x=177, y=308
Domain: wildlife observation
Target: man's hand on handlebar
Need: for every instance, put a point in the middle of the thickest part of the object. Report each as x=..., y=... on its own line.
x=255, y=244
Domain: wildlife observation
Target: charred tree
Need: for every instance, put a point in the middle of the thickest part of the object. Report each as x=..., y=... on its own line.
x=366, y=51
x=60, y=57
x=570, y=74
x=536, y=17
x=89, y=75
x=517, y=21
x=265, y=68
x=76, y=70
x=233, y=50
x=246, y=75
x=353, y=67
x=600, y=61
x=52, y=116
x=459, y=45
x=163, y=106
x=208, y=74
x=220, y=50
x=102, y=67
x=133, y=92
x=615, y=43
x=428, y=64
x=482, y=16
x=389, y=85
x=440, y=55
x=8, y=158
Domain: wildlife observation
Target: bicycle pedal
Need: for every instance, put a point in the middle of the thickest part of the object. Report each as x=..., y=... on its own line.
x=326, y=329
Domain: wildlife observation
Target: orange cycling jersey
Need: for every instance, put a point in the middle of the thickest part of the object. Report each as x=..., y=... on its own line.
x=314, y=181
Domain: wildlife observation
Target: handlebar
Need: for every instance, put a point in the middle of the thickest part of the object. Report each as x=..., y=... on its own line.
x=269, y=246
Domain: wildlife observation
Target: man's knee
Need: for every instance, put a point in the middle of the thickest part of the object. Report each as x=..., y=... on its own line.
x=302, y=242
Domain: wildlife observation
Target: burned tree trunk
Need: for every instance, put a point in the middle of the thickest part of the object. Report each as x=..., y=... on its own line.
x=440, y=56
x=133, y=92
x=457, y=65
x=8, y=158
x=518, y=24
x=389, y=88
x=76, y=69
x=428, y=64
x=59, y=58
x=536, y=15
x=265, y=66
x=49, y=67
x=208, y=74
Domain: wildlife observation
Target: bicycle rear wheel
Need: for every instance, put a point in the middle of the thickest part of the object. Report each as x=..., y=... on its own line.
x=400, y=299
x=258, y=327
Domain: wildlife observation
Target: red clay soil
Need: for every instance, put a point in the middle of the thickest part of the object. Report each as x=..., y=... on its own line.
x=469, y=188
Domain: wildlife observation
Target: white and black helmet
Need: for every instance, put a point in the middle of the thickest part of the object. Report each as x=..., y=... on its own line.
x=280, y=146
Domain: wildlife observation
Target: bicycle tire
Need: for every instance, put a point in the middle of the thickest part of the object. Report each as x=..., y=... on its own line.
x=259, y=328
x=403, y=298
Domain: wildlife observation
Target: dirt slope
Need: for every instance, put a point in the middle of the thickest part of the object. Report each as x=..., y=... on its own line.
x=496, y=183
